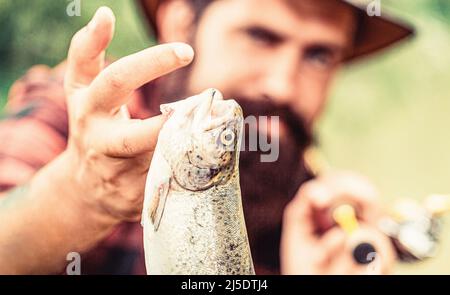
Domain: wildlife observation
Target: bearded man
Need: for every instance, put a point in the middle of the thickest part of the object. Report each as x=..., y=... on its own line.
x=72, y=171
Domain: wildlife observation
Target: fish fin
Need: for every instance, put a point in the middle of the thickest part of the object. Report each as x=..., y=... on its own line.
x=158, y=203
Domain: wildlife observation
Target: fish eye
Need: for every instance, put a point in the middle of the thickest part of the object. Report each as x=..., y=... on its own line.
x=227, y=137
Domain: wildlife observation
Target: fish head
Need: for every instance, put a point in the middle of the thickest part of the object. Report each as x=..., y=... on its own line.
x=202, y=140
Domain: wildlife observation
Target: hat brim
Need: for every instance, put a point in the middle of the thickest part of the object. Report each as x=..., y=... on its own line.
x=375, y=33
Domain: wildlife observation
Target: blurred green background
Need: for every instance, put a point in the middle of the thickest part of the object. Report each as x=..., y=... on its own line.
x=387, y=117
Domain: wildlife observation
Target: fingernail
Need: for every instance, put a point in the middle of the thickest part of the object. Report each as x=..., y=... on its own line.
x=184, y=52
x=93, y=23
x=101, y=10
x=321, y=196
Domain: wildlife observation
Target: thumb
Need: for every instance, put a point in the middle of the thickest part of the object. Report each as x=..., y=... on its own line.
x=87, y=49
x=126, y=138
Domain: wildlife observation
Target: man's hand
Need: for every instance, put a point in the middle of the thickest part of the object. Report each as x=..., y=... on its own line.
x=98, y=181
x=311, y=241
x=109, y=152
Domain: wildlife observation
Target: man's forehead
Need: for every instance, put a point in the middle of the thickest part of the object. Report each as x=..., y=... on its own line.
x=374, y=33
x=327, y=9
x=294, y=17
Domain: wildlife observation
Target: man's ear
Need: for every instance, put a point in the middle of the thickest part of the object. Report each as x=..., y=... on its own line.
x=175, y=21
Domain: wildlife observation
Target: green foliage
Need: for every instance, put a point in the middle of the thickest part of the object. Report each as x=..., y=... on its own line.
x=39, y=32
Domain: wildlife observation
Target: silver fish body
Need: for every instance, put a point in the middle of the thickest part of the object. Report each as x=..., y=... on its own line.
x=193, y=218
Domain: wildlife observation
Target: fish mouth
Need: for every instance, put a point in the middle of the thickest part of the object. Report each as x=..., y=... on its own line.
x=205, y=105
x=203, y=112
x=214, y=112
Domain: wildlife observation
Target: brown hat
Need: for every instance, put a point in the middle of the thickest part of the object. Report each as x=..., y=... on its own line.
x=374, y=32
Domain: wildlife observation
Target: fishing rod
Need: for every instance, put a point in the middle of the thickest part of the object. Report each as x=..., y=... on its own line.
x=414, y=228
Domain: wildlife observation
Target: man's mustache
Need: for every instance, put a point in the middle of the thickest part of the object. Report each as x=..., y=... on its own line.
x=292, y=121
x=172, y=87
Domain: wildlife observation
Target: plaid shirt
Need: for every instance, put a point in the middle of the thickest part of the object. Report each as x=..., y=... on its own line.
x=29, y=140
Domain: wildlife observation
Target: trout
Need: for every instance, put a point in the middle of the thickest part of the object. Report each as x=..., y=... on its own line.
x=192, y=216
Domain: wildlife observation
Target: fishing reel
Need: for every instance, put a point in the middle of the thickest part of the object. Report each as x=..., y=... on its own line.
x=413, y=227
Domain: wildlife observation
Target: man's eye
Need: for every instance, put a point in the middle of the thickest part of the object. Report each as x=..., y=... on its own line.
x=320, y=57
x=263, y=36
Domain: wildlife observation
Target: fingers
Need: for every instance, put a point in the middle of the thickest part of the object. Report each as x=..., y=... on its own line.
x=86, y=53
x=308, y=226
x=126, y=138
x=351, y=187
x=339, y=250
x=333, y=242
x=330, y=191
x=384, y=257
x=300, y=214
x=311, y=211
x=110, y=88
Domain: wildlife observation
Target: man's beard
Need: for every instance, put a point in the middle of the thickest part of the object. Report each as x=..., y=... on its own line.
x=267, y=187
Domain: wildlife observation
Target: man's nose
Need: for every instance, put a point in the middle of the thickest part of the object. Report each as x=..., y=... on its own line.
x=280, y=81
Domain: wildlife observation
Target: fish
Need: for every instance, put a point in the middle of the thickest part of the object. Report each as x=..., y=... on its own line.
x=193, y=219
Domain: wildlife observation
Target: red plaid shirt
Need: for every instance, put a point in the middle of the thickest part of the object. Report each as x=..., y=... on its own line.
x=30, y=141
